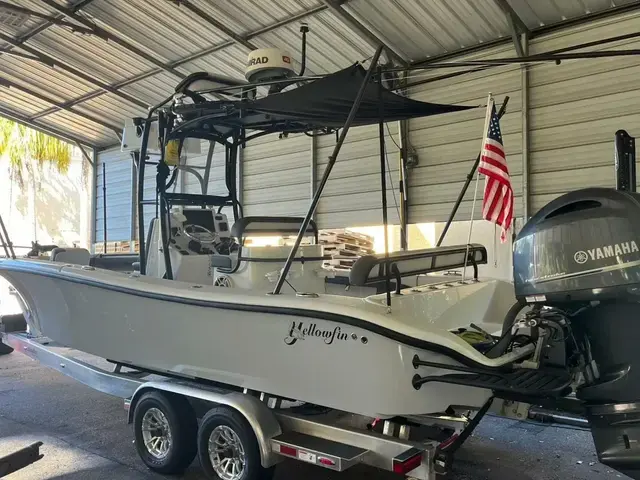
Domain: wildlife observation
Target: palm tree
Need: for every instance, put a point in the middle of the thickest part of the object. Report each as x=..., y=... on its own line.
x=29, y=150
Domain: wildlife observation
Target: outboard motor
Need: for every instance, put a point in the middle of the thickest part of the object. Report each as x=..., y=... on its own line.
x=580, y=254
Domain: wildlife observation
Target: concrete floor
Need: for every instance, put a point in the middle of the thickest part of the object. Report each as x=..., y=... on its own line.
x=86, y=437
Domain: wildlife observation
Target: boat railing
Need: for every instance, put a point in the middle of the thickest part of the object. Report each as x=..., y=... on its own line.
x=370, y=269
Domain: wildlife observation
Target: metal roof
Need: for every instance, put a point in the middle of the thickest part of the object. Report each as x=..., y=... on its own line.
x=78, y=68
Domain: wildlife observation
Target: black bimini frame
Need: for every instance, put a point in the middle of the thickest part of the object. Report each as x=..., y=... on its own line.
x=327, y=171
x=325, y=104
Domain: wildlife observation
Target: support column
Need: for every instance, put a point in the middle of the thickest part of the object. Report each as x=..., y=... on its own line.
x=93, y=185
x=134, y=208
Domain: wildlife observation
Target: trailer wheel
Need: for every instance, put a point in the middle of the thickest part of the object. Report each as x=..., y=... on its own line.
x=165, y=429
x=228, y=448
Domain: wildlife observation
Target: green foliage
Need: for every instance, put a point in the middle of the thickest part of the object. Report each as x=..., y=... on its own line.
x=29, y=150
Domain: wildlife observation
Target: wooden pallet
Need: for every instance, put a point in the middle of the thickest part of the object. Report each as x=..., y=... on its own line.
x=346, y=237
x=345, y=250
x=116, y=247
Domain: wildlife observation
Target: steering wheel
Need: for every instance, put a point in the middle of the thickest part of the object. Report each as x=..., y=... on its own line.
x=200, y=234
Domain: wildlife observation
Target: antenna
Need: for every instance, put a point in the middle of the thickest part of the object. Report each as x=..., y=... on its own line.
x=304, y=29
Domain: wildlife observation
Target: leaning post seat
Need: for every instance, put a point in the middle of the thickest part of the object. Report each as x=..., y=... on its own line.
x=271, y=226
x=117, y=262
x=369, y=269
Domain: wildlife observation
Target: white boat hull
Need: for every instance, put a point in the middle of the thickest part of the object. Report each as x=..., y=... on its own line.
x=319, y=350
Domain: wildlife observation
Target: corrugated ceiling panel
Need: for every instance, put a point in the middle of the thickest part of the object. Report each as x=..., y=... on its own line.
x=108, y=107
x=20, y=102
x=106, y=60
x=153, y=89
x=272, y=170
x=352, y=197
x=17, y=24
x=229, y=62
x=82, y=128
x=418, y=29
x=423, y=28
x=447, y=145
x=118, y=166
x=576, y=108
x=244, y=16
x=538, y=13
x=161, y=28
x=50, y=81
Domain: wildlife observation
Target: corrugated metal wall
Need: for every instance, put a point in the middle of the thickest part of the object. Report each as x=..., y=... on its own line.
x=119, y=184
x=352, y=194
x=447, y=145
x=576, y=108
x=276, y=175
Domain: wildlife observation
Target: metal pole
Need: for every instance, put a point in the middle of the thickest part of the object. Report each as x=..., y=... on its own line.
x=327, y=171
x=383, y=190
x=524, y=89
x=6, y=241
x=207, y=168
x=104, y=206
x=94, y=194
x=462, y=193
x=142, y=159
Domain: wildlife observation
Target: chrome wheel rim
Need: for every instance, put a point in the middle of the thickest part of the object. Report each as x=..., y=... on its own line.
x=226, y=453
x=156, y=433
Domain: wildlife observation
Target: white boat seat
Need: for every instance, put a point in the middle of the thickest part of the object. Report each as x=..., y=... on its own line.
x=271, y=226
x=76, y=256
x=415, y=262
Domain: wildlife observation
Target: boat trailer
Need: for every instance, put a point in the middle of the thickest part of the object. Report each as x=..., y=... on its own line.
x=325, y=438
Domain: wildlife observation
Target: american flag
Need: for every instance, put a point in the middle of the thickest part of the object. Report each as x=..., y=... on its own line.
x=497, y=203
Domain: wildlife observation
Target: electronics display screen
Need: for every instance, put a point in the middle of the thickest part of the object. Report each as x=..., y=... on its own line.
x=203, y=218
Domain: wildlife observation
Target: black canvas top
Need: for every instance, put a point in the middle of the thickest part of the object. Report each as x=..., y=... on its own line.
x=323, y=103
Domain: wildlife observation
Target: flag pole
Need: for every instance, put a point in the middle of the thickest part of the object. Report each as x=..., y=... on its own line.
x=475, y=193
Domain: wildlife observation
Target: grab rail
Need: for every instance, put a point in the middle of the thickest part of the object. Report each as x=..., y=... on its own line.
x=416, y=262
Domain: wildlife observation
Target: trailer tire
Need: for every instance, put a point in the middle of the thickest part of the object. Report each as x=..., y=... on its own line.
x=5, y=349
x=236, y=432
x=158, y=413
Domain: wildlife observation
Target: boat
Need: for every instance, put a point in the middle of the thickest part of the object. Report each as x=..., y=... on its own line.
x=203, y=305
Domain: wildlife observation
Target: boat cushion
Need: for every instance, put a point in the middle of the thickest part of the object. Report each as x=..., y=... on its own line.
x=76, y=256
x=122, y=262
x=415, y=262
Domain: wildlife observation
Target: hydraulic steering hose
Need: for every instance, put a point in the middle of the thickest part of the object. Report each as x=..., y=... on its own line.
x=499, y=348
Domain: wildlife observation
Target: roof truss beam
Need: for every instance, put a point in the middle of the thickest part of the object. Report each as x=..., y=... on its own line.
x=101, y=32
x=182, y=61
x=32, y=33
x=72, y=70
x=26, y=56
x=239, y=39
x=512, y=16
x=50, y=19
x=9, y=84
x=336, y=7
